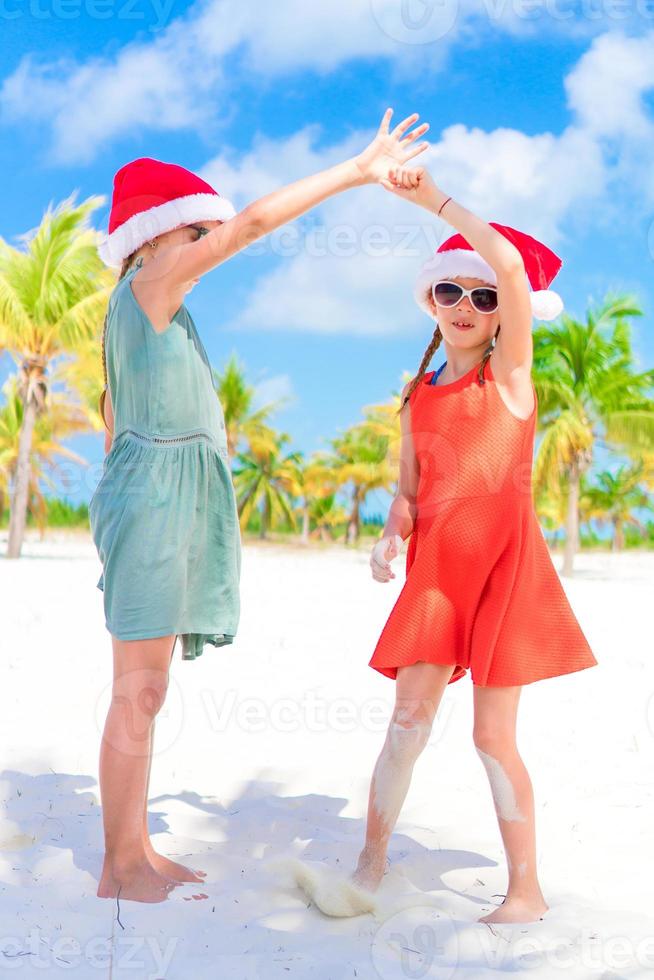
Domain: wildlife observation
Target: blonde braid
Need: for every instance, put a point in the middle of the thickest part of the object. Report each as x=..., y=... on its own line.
x=123, y=270
x=432, y=347
x=487, y=354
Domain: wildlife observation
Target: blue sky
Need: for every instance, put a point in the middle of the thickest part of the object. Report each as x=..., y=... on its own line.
x=538, y=119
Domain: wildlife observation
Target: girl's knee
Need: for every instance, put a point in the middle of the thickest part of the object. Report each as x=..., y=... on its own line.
x=409, y=731
x=494, y=741
x=144, y=691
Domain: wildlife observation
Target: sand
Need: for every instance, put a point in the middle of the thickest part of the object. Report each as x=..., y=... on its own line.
x=264, y=752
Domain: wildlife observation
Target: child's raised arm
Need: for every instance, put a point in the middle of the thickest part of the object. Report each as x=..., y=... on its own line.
x=514, y=346
x=181, y=263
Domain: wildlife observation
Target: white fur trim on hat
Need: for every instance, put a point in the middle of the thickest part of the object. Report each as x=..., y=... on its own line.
x=467, y=264
x=145, y=225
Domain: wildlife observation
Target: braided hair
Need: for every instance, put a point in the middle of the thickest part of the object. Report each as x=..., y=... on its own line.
x=432, y=347
x=127, y=262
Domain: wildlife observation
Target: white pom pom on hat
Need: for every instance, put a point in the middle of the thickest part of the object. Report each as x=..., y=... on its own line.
x=456, y=258
x=151, y=197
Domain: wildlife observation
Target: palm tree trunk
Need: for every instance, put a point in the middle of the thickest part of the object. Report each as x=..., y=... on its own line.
x=18, y=506
x=265, y=518
x=305, y=524
x=354, y=521
x=618, y=535
x=572, y=521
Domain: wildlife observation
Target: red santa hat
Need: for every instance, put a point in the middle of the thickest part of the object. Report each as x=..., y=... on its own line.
x=456, y=257
x=151, y=197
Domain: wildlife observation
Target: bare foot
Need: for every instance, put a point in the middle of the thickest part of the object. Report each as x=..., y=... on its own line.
x=196, y=898
x=370, y=870
x=137, y=882
x=517, y=910
x=171, y=869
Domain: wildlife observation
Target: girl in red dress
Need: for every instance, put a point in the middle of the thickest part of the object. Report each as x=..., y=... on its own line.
x=481, y=592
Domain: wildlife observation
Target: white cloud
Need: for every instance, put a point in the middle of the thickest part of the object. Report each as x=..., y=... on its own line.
x=279, y=388
x=354, y=272
x=608, y=83
x=607, y=92
x=271, y=163
x=537, y=183
x=158, y=85
x=177, y=80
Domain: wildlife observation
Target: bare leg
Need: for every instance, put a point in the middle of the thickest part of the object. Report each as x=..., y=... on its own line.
x=162, y=864
x=139, y=688
x=419, y=689
x=495, y=740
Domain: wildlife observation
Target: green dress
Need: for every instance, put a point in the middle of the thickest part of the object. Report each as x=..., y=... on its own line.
x=163, y=516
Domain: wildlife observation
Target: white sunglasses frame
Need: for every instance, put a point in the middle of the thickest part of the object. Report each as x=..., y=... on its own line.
x=465, y=292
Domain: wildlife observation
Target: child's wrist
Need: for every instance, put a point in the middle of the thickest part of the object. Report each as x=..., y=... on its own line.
x=354, y=174
x=437, y=200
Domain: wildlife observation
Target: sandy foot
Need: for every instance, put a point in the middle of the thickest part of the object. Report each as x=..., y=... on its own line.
x=516, y=910
x=138, y=883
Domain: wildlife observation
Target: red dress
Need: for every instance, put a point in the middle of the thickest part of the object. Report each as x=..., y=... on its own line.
x=481, y=591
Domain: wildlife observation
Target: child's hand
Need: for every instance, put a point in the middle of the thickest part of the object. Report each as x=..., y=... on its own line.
x=390, y=149
x=413, y=184
x=382, y=554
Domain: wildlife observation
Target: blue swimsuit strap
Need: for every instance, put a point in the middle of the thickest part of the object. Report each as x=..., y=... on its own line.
x=436, y=373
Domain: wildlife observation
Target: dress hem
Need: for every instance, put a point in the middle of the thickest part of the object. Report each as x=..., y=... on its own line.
x=152, y=635
x=385, y=668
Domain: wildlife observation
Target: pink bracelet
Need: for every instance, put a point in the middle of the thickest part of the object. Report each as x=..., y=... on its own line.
x=443, y=205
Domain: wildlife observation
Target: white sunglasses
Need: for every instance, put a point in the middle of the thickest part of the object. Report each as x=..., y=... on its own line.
x=447, y=293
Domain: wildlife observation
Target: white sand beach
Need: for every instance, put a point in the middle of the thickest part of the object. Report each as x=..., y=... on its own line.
x=264, y=751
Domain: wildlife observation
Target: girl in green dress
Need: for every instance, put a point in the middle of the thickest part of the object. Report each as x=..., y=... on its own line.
x=163, y=516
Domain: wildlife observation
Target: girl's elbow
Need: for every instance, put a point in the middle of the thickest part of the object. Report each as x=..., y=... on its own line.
x=511, y=262
x=255, y=220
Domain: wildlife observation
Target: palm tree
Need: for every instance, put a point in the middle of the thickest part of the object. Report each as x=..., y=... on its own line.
x=326, y=514
x=588, y=394
x=267, y=479
x=63, y=420
x=317, y=482
x=236, y=397
x=383, y=421
x=52, y=299
x=361, y=459
x=551, y=507
x=82, y=374
x=613, y=499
